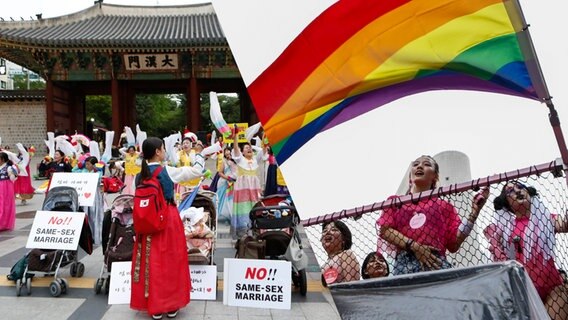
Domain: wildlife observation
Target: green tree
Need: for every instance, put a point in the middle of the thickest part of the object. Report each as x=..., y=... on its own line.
x=100, y=109
x=159, y=114
x=21, y=83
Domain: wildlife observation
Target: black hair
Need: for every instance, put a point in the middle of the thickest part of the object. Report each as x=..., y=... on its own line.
x=93, y=160
x=5, y=158
x=345, y=232
x=149, y=148
x=500, y=202
x=368, y=258
x=186, y=138
x=436, y=169
x=130, y=147
x=60, y=153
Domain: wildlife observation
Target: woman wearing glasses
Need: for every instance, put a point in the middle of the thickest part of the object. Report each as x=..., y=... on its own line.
x=523, y=229
x=342, y=264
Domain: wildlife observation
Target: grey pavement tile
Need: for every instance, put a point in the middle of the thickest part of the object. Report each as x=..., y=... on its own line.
x=218, y=308
x=220, y=317
x=295, y=311
x=12, y=244
x=8, y=260
x=317, y=311
x=119, y=311
x=4, y=237
x=247, y=317
x=245, y=313
x=94, y=307
x=196, y=307
x=43, y=308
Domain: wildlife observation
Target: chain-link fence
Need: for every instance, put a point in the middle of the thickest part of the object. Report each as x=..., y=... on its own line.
x=524, y=219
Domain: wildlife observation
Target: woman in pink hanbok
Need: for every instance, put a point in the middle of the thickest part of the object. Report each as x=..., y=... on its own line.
x=8, y=173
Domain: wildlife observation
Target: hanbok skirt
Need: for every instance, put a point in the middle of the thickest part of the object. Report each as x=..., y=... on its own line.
x=7, y=205
x=246, y=195
x=163, y=284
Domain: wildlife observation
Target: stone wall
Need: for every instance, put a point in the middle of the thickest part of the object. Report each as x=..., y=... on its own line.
x=25, y=122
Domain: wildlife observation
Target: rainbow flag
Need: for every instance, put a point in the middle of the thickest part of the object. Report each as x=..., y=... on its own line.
x=358, y=55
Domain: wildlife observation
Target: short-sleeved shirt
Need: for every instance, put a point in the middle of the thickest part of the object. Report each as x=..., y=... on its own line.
x=432, y=222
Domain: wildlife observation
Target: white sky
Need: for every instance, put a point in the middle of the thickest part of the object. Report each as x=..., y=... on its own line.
x=363, y=160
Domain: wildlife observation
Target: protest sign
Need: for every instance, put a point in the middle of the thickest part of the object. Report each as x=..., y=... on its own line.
x=120, y=285
x=86, y=185
x=56, y=230
x=203, y=282
x=257, y=283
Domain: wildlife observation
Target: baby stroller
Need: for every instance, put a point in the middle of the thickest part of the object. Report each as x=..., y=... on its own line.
x=200, y=225
x=274, y=221
x=48, y=262
x=118, y=238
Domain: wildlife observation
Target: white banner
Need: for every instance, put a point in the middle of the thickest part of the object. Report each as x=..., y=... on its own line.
x=257, y=283
x=86, y=185
x=56, y=230
x=203, y=282
x=120, y=286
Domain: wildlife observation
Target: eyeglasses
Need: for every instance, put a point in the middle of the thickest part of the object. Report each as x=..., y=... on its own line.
x=517, y=185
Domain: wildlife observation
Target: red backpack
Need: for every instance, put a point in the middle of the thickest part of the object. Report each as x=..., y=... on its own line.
x=112, y=184
x=149, y=205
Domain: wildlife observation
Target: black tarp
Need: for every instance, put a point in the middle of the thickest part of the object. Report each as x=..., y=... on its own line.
x=493, y=291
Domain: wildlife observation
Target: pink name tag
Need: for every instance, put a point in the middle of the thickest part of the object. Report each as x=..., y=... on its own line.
x=417, y=220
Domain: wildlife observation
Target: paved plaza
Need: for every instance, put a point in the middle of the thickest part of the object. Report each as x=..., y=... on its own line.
x=81, y=302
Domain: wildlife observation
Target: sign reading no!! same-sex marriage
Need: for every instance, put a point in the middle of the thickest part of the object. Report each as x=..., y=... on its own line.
x=257, y=283
x=56, y=230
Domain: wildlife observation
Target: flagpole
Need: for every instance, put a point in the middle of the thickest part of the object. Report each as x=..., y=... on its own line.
x=535, y=72
x=555, y=123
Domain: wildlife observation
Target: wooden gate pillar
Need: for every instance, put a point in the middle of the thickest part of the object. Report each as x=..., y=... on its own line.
x=115, y=101
x=49, y=106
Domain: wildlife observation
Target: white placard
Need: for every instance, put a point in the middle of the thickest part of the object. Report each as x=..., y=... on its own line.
x=120, y=286
x=257, y=283
x=203, y=282
x=56, y=230
x=86, y=185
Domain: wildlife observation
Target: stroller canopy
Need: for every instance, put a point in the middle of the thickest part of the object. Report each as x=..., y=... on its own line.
x=61, y=199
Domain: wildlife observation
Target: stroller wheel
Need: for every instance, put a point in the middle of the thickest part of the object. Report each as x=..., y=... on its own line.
x=73, y=269
x=29, y=285
x=296, y=278
x=80, y=269
x=99, y=285
x=303, y=280
x=18, y=287
x=107, y=285
x=64, y=285
x=55, y=289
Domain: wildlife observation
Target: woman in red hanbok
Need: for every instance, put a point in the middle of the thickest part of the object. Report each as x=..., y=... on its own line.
x=162, y=285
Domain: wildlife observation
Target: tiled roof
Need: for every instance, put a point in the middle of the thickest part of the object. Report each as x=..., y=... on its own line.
x=20, y=95
x=113, y=26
